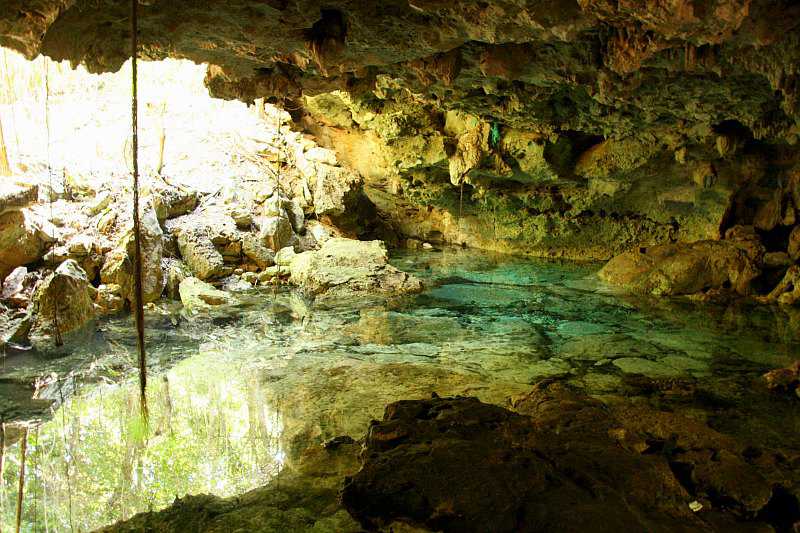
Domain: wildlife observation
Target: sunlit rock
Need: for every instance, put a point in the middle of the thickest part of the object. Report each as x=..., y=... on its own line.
x=196, y=294
x=63, y=300
x=275, y=232
x=119, y=266
x=344, y=267
x=170, y=201
x=109, y=299
x=257, y=251
x=20, y=240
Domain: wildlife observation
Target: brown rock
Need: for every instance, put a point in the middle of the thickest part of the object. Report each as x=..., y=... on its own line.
x=794, y=244
x=674, y=269
x=561, y=462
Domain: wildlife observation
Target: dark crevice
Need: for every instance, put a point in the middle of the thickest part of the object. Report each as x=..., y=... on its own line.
x=782, y=512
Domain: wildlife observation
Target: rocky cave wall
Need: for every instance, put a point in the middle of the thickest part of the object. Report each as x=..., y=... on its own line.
x=576, y=129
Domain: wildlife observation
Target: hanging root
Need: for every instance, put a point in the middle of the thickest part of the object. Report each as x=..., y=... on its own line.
x=137, y=234
x=23, y=450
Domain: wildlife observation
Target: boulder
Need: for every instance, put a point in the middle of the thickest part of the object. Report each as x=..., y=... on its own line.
x=284, y=256
x=119, y=266
x=20, y=241
x=170, y=201
x=275, y=232
x=296, y=217
x=787, y=292
x=681, y=268
x=98, y=204
x=333, y=188
x=175, y=271
x=16, y=195
x=784, y=379
x=200, y=254
x=109, y=299
x=242, y=218
x=254, y=249
x=197, y=294
x=65, y=297
x=14, y=283
x=343, y=267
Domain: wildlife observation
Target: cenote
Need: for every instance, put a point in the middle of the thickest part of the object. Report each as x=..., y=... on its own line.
x=399, y=267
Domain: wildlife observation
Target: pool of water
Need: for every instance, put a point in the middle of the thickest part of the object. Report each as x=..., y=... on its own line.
x=237, y=394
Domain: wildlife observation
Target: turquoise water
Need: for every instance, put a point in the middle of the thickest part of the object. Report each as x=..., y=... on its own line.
x=238, y=394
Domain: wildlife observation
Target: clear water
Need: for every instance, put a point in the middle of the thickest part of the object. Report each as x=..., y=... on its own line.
x=237, y=395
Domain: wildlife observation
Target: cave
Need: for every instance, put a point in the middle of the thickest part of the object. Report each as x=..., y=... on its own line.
x=399, y=266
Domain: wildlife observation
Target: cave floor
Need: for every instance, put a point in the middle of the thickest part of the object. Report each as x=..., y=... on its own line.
x=246, y=392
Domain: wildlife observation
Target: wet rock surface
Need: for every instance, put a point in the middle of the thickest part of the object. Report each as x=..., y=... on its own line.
x=552, y=458
x=559, y=460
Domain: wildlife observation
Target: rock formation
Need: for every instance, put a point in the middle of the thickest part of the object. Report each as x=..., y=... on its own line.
x=343, y=267
x=582, y=129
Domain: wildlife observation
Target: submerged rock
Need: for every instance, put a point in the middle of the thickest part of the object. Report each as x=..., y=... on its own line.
x=560, y=462
x=343, y=267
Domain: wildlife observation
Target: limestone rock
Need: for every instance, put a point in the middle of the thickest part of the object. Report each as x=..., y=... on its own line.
x=200, y=254
x=20, y=241
x=196, y=294
x=67, y=294
x=284, y=256
x=13, y=285
x=98, y=204
x=253, y=248
x=275, y=232
x=175, y=271
x=777, y=260
x=119, y=266
x=787, y=292
x=334, y=189
x=16, y=195
x=109, y=299
x=784, y=379
x=170, y=201
x=344, y=267
x=674, y=269
x=297, y=217
x=242, y=218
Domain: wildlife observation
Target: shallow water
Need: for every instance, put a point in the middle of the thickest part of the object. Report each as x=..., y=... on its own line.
x=237, y=395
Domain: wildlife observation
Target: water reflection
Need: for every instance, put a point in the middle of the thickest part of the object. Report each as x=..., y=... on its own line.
x=94, y=462
x=240, y=393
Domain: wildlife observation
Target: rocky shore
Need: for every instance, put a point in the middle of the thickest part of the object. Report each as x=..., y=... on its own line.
x=67, y=254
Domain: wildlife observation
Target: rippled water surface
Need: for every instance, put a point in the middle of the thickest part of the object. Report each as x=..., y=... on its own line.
x=236, y=395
